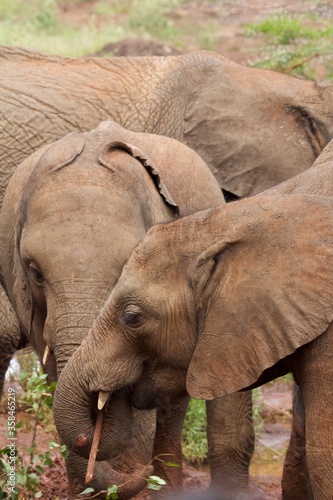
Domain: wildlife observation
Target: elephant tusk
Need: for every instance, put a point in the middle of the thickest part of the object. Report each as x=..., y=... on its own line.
x=46, y=355
x=103, y=396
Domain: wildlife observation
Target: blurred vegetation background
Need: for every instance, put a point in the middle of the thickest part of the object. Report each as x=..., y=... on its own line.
x=294, y=37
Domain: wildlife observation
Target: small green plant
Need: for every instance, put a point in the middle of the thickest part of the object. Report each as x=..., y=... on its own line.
x=290, y=44
x=27, y=475
x=194, y=432
x=258, y=405
x=154, y=483
x=37, y=399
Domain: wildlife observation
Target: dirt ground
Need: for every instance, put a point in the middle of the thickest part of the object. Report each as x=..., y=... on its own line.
x=266, y=468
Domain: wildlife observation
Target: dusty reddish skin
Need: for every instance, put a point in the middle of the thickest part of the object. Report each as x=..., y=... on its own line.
x=81, y=441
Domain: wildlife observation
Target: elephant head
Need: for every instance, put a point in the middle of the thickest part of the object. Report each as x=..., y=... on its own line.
x=222, y=295
x=72, y=214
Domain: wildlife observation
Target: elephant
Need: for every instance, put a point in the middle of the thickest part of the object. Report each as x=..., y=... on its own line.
x=72, y=213
x=224, y=300
x=235, y=117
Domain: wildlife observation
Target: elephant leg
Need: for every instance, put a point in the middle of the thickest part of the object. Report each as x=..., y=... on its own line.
x=313, y=371
x=231, y=439
x=295, y=483
x=9, y=335
x=168, y=441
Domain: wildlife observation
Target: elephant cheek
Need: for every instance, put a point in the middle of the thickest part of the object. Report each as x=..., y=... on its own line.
x=161, y=384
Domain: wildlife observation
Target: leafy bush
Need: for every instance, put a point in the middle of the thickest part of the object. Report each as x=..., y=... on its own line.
x=37, y=400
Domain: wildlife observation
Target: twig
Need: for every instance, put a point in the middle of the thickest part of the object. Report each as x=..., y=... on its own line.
x=300, y=63
x=94, y=447
x=34, y=432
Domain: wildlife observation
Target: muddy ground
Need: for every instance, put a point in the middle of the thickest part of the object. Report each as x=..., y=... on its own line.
x=273, y=438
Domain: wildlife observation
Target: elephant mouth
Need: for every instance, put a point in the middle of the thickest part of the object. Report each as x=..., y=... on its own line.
x=116, y=428
x=148, y=394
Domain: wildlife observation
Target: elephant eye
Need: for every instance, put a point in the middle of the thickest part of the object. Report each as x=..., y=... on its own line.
x=132, y=318
x=36, y=274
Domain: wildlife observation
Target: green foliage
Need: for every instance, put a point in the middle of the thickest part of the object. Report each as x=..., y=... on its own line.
x=37, y=400
x=291, y=44
x=194, y=432
x=258, y=405
x=148, y=17
x=154, y=483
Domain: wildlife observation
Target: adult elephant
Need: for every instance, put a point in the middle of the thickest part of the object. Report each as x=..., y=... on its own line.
x=247, y=297
x=71, y=215
x=317, y=180
x=254, y=128
x=237, y=118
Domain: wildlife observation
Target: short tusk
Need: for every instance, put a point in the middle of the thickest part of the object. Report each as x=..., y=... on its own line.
x=103, y=396
x=46, y=355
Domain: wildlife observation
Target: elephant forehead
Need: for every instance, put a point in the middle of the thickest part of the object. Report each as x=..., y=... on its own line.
x=72, y=225
x=76, y=201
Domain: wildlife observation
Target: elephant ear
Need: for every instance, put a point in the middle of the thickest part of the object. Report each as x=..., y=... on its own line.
x=179, y=174
x=136, y=153
x=264, y=289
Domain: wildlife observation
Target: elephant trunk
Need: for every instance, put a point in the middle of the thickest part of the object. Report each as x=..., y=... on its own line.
x=126, y=442
x=67, y=324
x=75, y=413
x=105, y=475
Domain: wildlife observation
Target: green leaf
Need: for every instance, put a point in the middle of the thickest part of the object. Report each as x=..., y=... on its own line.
x=112, y=492
x=155, y=483
x=53, y=444
x=46, y=459
x=5, y=465
x=87, y=490
x=63, y=451
x=38, y=494
x=171, y=464
x=39, y=469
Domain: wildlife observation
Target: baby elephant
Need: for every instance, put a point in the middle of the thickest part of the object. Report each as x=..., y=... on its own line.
x=227, y=299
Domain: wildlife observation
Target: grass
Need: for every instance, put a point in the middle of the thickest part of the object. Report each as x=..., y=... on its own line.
x=289, y=43
x=292, y=44
x=39, y=25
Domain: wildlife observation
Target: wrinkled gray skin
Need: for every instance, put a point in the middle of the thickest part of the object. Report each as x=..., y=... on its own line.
x=247, y=286
x=237, y=118
x=9, y=335
x=71, y=215
x=317, y=180
x=254, y=128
